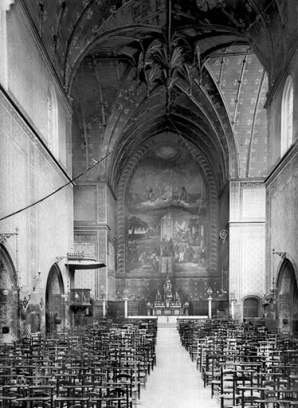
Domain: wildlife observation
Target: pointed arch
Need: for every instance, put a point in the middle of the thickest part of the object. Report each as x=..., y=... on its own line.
x=287, y=298
x=55, y=307
x=9, y=319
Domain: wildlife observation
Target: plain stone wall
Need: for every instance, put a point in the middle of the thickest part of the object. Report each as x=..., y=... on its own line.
x=28, y=172
x=282, y=186
x=282, y=205
x=29, y=78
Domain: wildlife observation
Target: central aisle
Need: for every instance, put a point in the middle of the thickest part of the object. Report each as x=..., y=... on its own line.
x=174, y=382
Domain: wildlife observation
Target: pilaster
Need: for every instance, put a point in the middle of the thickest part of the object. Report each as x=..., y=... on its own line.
x=246, y=241
x=94, y=229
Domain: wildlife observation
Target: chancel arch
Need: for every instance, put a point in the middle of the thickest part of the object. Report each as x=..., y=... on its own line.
x=167, y=217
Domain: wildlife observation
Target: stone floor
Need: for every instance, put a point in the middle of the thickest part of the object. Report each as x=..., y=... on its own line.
x=174, y=382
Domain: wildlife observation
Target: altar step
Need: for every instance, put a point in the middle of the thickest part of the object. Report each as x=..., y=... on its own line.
x=167, y=321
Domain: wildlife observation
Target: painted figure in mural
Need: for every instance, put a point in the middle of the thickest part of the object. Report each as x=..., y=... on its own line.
x=164, y=247
x=150, y=194
x=155, y=262
x=183, y=195
x=171, y=247
x=194, y=228
x=189, y=253
x=167, y=247
x=182, y=249
x=167, y=193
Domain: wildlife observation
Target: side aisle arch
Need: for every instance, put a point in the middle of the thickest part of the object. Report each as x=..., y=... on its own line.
x=8, y=298
x=287, y=298
x=55, y=305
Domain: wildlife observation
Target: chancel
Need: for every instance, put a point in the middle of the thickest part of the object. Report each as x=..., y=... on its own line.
x=149, y=203
x=168, y=303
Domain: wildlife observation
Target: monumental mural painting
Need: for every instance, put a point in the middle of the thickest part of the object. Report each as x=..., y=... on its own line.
x=167, y=214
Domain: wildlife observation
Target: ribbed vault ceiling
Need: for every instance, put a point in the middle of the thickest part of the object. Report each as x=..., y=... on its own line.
x=96, y=47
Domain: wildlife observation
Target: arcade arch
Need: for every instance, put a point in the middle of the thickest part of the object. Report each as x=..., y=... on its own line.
x=55, y=307
x=8, y=297
x=287, y=298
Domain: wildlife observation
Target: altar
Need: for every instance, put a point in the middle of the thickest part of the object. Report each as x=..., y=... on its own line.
x=167, y=309
x=169, y=304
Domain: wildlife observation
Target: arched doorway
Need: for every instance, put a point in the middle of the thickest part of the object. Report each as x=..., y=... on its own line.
x=251, y=308
x=55, y=305
x=9, y=317
x=287, y=299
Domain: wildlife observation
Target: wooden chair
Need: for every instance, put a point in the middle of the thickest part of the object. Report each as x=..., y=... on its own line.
x=8, y=401
x=228, y=396
x=67, y=402
x=211, y=370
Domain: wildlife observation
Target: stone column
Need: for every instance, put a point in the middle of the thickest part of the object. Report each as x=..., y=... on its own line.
x=104, y=307
x=125, y=298
x=210, y=291
x=233, y=301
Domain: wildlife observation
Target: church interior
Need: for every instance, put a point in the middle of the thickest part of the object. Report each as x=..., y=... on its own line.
x=148, y=172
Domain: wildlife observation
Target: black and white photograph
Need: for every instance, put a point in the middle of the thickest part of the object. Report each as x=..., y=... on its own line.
x=148, y=204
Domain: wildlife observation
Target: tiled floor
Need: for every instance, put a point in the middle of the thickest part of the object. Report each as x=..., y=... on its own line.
x=174, y=382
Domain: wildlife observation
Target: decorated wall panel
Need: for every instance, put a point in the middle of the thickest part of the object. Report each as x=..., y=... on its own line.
x=91, y=245
x=86, y=278
x=246, y=241
x=85, y=203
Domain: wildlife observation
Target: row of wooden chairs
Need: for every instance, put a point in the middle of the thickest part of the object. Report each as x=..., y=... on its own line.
x=105, y=365
x=244, y=365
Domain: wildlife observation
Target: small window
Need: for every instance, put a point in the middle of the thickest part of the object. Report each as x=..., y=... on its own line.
x=251, y=307
x=52, y=121
x=287, y=116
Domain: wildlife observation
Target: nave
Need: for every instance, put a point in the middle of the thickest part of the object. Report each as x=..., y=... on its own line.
x=141, y=362
x=175, y=382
